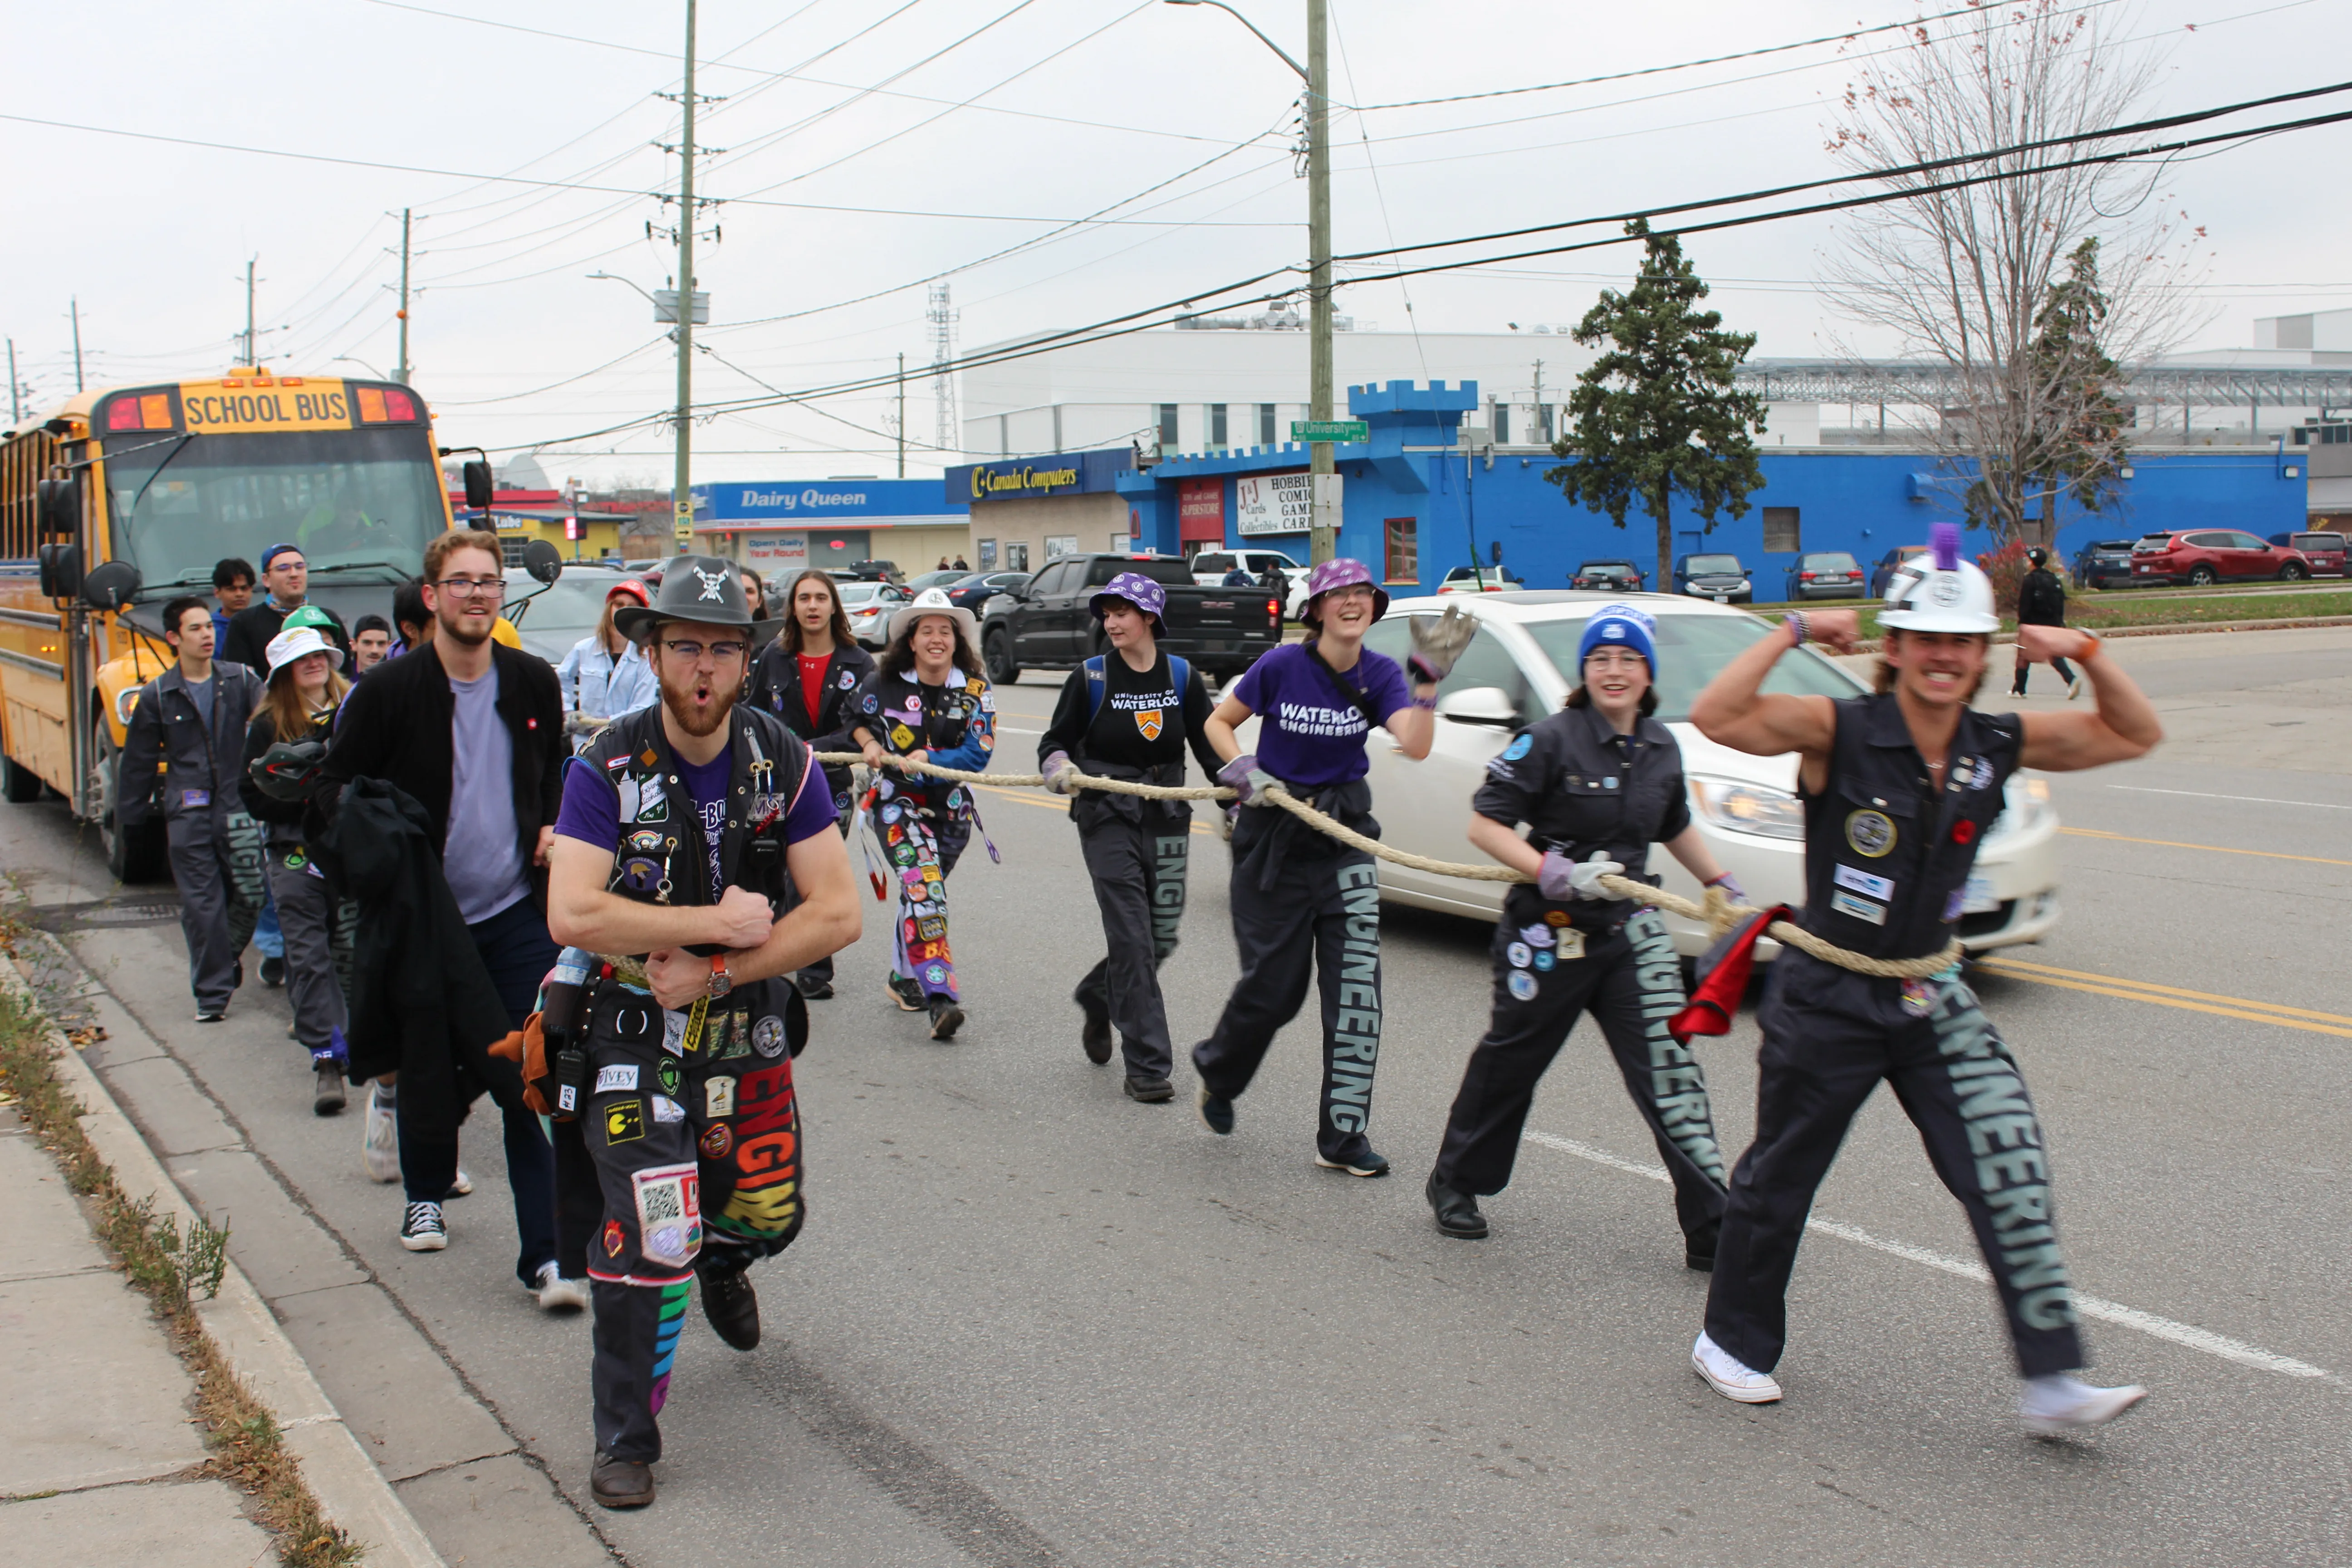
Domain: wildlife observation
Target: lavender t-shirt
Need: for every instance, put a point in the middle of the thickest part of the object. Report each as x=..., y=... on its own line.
x=482, y=857
x=1308, y=732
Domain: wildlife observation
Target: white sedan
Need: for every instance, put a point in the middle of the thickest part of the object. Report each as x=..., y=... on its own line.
x=1521, y=666
x=869, y=606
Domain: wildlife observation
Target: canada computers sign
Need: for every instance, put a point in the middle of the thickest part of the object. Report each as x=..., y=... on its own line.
x=1031, y=479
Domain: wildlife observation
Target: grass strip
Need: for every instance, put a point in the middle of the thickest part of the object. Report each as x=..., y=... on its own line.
x=248, y=1451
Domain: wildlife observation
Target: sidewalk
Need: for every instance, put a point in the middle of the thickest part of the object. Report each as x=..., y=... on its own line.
x=100, y=1461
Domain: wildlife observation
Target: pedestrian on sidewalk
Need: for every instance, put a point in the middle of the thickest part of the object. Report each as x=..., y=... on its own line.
x=1130, y=714
x=232, y=593
x=2041, y=602
x=927, y=701
x=473, y=732
x=181, y=757
x=697, y=835
x=604, y=675
x=286, y=572
x=1304, y=904
x=305, y=687
x=371, y=644
x=1899, y=789
x=805, y=676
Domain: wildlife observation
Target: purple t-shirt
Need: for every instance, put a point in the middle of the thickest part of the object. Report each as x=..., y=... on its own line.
x=1308, y=732
x=592, y=807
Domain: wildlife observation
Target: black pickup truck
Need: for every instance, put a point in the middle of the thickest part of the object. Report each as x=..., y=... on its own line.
x=1047, y=625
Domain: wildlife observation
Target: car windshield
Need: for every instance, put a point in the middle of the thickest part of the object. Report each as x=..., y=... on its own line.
x=360, y=503
x=553, y=618
x=861, y=593
x=1692, y=649
x=1836, y=562
x=936, y=579
x=1713, y=566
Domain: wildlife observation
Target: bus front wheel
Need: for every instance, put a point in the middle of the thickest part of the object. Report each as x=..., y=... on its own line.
x=135, y=855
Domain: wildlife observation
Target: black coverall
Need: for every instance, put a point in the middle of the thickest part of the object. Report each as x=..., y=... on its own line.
x=1116, y=723
x=691, y=1124
x=776, y=689
x=1887, y=856
x=1581, y=786
x=2040, y=602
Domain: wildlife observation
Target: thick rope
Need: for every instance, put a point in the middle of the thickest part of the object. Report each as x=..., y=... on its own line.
x=1719, y=914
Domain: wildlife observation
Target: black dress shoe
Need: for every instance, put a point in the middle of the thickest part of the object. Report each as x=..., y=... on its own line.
x=620, y=1483
x=732, y=1307
x=1698, y=1248
x=812, y=987
x=1150, y=1090
x=1457, y=1213
x=1093, y=1038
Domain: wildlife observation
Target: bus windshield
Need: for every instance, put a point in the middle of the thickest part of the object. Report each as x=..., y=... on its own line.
x=360, y=504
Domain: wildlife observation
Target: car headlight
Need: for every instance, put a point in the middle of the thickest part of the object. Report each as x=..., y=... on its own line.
x=1744, y=586
x=124, y=701
x=2025, y=805
x=1748, y=808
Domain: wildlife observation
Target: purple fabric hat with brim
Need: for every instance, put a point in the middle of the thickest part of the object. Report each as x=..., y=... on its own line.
x=1340, y=572
x=1137, y=590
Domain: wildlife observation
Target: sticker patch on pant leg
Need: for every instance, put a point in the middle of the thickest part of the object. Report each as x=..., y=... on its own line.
x=669, y=1214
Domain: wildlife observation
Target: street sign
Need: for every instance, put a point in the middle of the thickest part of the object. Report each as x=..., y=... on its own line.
x=685, y=523
x=1329, y=430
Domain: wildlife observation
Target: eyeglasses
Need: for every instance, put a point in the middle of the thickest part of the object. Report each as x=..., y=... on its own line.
x=692, y=652
x=473, y=587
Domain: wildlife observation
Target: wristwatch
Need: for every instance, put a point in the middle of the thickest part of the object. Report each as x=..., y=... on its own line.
x=721, y=982
x=1795, y=621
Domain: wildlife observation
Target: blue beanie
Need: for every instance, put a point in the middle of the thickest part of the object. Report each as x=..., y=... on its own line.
x=1620, y=626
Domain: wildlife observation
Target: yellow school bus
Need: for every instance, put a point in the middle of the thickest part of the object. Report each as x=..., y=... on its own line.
x=126, y=497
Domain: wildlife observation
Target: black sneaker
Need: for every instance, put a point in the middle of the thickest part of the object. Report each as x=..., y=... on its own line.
x=327, y=1092
x=1358, y=1161
x=1093, y=1038
x=422, y=1228
x=211, y=1015
x=906, y=993
x=812, y=987
x=945, y=1018
x=620, y=1483
x=1457, y=1213
x=1150, y=1090
x=1216, y=1112
x=273, y=972
x=732, y=1307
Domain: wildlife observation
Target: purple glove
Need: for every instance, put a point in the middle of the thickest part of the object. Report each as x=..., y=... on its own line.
x=1551, y=878
x=1246, y=779
x=1057, y=769
x=1731, y=887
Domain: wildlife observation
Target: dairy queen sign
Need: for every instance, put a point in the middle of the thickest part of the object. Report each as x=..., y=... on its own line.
x=1272, y=503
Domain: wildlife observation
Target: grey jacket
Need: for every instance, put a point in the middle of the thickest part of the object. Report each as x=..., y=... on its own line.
x=195, y=789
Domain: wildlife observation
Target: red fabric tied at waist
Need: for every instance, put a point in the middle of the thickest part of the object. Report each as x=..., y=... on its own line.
x=1723, y=978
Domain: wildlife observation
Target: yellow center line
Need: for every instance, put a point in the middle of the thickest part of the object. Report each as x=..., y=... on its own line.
x=2028, y=967
x=2240, y=1007
x=2213, y=848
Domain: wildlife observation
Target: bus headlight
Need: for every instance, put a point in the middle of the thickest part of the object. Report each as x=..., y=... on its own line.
x=1748, y=808
x=124, y=701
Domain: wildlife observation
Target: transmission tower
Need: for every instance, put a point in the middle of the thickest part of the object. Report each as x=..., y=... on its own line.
x=942, y=317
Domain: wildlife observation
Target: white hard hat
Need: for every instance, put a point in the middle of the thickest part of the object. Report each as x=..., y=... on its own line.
x=1938, y=591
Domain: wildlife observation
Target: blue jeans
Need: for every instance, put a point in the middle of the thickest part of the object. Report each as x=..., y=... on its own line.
x=518, y=952
x=267, y=936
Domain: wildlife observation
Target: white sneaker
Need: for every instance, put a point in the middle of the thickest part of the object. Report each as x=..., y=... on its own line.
x=421, y=1229
x=2074, y=689
x=557, y=1294
x=1730, y=1377
x=379, y=1140
x=2060, y=1404
x=463, y=1186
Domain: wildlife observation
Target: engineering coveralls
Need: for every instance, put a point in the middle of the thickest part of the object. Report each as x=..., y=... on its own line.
x=1887, y=856
x=924, y=823
x=1581, y=787
x=691, y=1122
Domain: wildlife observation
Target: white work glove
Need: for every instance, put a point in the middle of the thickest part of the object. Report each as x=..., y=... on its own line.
x=1438, y=642
x=1247, y=780
x=1561, y=878
x=1059, y=771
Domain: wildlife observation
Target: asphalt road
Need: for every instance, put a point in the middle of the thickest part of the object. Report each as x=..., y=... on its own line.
x=1031, y=1322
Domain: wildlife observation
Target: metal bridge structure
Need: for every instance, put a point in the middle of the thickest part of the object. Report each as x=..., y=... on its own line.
x=1927, y=384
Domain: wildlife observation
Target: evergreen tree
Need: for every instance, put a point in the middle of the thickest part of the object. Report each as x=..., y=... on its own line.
x=1657, y=413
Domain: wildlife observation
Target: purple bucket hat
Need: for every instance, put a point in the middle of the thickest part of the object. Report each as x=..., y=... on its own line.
x=1340, y=572
x=1137, y=590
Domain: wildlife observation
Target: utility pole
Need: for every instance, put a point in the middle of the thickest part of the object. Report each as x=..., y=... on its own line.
x=1324, y=485
x=902, y=415
x=400, y=370
x=15, y=404
x=1543, y=414
x=76, y=305
x=681, y=490
x=252, y=352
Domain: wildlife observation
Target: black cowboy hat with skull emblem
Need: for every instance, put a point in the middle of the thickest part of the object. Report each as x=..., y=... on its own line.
x=699, y=588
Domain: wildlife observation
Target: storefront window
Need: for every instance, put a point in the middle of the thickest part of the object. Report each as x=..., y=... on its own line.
x=1404, y=564
x=1060, y=545
x=1016, y=556
x=987, y=556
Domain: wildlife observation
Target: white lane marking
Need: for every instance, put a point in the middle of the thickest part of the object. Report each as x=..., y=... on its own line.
x=1016, y=730
x=2186, y=1334
x=2207, y=795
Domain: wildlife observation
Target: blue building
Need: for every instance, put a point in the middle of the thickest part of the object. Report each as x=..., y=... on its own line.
x=785, y=524
x=1414, y=508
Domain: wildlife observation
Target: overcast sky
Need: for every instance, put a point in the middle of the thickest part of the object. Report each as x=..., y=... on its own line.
x=967, y=145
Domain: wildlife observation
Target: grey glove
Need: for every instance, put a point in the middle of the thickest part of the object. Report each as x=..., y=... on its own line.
x=1437, y=643
x=1246, y=779
x=1059, y=771
x=1563, y=878
x=1731, y=887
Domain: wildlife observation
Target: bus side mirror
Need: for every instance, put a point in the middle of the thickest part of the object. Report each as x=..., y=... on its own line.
x=540, y=560
x=60, y=506
x=111, y=586
x=60, y=571
x=478, y=488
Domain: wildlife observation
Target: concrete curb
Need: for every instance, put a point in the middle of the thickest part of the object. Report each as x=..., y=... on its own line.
x=349, y=1489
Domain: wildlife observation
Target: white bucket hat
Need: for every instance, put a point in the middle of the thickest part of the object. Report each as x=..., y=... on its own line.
x=934, y=601
x=301, y=642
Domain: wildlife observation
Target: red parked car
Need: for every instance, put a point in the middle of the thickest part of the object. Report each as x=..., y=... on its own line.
x=2326, y=552
x=2205, y=555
